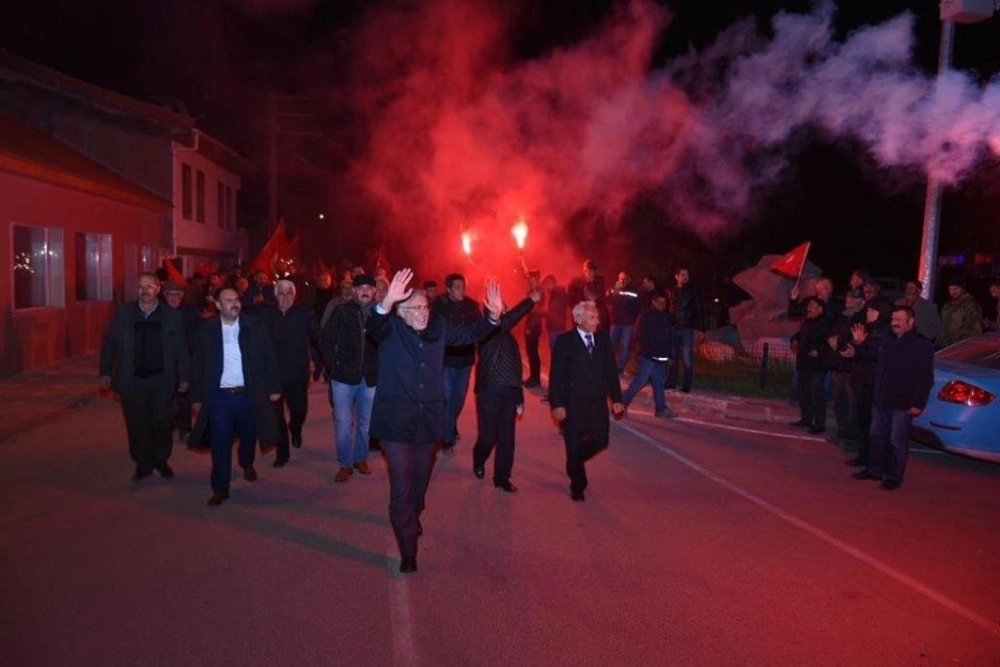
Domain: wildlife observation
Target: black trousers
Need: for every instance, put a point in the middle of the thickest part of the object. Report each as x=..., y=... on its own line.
x=294, y=395
x=865, y=396
x=496, y=413
x=534, y=361
x=581, y=446
x=148, y=409
x=812, y=398
x=182, y=413
x=409, y=473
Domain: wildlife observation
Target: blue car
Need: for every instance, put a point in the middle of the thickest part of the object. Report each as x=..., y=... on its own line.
x=963, y=411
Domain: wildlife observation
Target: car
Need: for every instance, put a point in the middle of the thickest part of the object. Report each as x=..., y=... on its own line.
x=963, y=411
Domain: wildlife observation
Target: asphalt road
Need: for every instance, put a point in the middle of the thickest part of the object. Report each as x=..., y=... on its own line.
x=698, y=544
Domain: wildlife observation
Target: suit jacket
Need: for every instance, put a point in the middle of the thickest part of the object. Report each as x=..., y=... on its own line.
x=118, y=347
x=582, y=384
x=261, y=376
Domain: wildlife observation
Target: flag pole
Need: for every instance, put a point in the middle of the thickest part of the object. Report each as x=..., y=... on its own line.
x=802, y=266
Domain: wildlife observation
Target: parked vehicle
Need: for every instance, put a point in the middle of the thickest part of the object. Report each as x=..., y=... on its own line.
x=963, y=412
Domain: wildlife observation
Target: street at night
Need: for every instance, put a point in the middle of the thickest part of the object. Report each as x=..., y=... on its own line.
x=699, y=543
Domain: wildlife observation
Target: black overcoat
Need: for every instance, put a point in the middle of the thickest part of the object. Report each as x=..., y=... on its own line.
x=118, y=347
x=582, y=384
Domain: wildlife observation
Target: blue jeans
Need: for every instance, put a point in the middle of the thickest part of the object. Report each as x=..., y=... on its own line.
x=409, y=473
x=230, y=413
x=654, y=372
x=352, y=415
x=683, y=343
x=889, y=448
x=456, y=386
x=621, y=335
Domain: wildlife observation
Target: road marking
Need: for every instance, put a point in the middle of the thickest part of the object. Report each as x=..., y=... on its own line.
x=986, y=624
x=404, y=648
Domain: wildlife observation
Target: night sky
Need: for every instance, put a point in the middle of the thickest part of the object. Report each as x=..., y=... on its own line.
x=354, y=60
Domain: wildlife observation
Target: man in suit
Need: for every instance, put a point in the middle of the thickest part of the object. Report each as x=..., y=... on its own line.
x=145, y=359
x=408, y=414
x=235, y=379
x=582, y=377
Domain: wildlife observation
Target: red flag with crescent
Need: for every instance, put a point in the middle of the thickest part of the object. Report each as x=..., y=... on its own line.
x=791, y=265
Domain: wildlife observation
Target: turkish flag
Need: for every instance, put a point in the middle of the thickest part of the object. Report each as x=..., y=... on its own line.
x=275, y=249
x=173, y=275
x=791, y=264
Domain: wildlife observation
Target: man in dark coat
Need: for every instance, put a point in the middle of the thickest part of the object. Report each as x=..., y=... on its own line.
x=173, y=294
x=533, y=334
x=688, y=309
x=235, y=379
x=812, y=364
x=499, y=396
x=582, y=376
x=653, y=335
x=904, y=375
x=144, y=358
x=408, y=415
x=294, y=333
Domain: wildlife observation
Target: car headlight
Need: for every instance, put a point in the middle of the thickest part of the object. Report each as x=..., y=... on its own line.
x=957, y=391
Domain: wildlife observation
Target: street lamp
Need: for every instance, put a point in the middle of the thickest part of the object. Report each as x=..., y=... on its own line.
x=952, y=12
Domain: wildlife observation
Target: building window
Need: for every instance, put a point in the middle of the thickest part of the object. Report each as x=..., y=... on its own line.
x=93, y=267
x=186, y=191
x=200, y=196
x=38, y=267
x=220, y=205
x=230, y=211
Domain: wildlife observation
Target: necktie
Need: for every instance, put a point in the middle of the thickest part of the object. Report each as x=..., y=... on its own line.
x=590, y=344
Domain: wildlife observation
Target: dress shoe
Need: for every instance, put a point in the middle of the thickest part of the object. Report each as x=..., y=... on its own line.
x=343, y=474
x=280, y=462
x=363, y=467
x=801, y=423
x=855, y=461
x=448, y=447
x=166, y=472
x=815, y=430
x=506, y=486
x=577, y=496
x=666, y=414
x=864, y=474
x=296, y=440
x=408, y=564
x=140, y=474
x=479, y=472
x=249, y=473
x=217, y=499
x=420, y=528
x=531, y=383
x=889, y=485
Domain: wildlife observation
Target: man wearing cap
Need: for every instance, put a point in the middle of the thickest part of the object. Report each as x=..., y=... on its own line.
x=352, y=359
x=173, y=294
x=961, y=317
x=145, y=359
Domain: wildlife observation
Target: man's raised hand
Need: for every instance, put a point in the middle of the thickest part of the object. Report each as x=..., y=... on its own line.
x=494, y=302
x=398, y=290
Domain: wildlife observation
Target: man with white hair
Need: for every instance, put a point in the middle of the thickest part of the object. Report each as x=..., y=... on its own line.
x=293, y=330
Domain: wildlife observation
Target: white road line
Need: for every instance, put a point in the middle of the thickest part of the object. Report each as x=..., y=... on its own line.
x=404, y=648
x=986, y=624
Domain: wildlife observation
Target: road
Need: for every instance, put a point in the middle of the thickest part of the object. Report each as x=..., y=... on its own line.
x=698, y=544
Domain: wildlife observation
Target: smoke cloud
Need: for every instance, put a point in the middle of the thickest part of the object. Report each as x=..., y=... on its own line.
x=463, y=137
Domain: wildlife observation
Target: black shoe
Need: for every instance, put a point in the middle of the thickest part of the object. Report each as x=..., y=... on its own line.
x=532, y=383
x=801, y=422
x=577, y=496
x=249, y=473
x=479, y=472
x=856, y=461
x=815, y=430
x=448, y=448
x=686, y=390
x=140, y=474
x=889, y=485
x=506, y=486
x=217, y=499
x=408, y=564
x=280, y=462
x=166, y=472
x=864, y=474
x=420, y=528
x=296, y=440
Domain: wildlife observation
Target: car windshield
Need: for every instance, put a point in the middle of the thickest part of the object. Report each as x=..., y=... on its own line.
x=979, y=351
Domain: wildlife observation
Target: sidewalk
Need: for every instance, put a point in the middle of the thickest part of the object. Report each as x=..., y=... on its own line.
x=32, y=398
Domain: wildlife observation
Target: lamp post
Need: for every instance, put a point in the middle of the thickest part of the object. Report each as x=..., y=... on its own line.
x=952, y=12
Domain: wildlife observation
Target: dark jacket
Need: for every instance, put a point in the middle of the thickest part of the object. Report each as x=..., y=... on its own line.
x=349, y=350
x=499, y=362
x=556, y=310
x=118, y=346
x=905, y=372
x=456, y=314
x=687, y=307
x=409, y=400
x=653, y=333
x=582, y=384
x=292, y=333
x=261, y=376
x=624, y=306
x=812, y=337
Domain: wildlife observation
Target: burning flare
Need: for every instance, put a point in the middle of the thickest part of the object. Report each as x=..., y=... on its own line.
x=520, y=232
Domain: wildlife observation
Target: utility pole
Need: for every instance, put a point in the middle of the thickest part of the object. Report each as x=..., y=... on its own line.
x=275, y=114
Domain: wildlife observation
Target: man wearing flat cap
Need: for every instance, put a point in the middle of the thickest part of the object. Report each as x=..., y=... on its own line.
x=961, y=317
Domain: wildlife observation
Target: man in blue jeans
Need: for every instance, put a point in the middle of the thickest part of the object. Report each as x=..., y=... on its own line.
x=352, y=359
x=457, y=310
x=904, y=375
x=654, y=349
x=689, y=315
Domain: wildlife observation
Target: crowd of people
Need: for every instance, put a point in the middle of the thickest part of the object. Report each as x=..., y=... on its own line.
x=227, y=357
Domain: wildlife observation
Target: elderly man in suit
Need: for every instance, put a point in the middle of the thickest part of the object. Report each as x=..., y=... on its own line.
x=582, y=377
x=408, y=414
